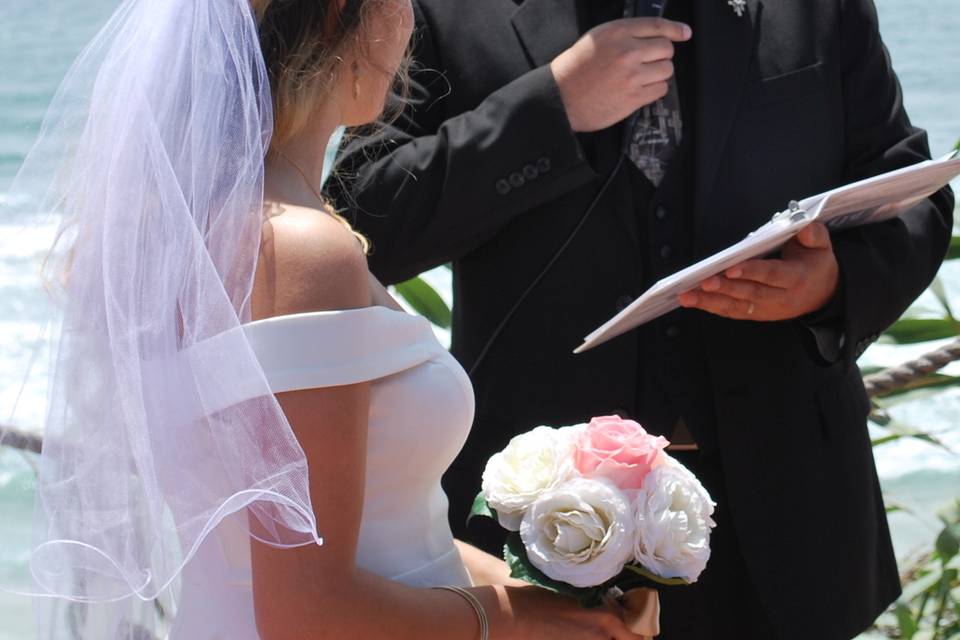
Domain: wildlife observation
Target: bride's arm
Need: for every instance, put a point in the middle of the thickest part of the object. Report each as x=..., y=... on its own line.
x=318, y=592
x=484, y=568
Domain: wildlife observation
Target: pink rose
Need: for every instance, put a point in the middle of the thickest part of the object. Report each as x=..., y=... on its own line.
x=617, y=449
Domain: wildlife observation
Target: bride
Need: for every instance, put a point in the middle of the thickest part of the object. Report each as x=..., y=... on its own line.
x=244, y=429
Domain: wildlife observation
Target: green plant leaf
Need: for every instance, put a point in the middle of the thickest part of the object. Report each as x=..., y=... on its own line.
x=953, y=252
x=879, y=442
x=948, y=543
x=897, y=431
x=879, y=415
x=950, y=514
x=515, y=555
x=895, y=506
x=908, y=626
x=914, y=330
x=426, y=301
x=940, y=293
x=933, y=381
x=920, y=585
x=480, y=508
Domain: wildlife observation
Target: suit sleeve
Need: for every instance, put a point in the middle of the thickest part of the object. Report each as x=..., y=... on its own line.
x=431, y=188
x=884, y=266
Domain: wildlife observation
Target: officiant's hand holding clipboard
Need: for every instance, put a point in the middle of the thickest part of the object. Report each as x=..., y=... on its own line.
x=864, y=202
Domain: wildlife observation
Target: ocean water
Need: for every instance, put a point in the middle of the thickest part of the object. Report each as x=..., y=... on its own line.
x=39, y=39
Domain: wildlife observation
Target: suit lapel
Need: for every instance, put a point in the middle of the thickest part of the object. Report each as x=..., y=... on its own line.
x=724, y=50
x=546, y=28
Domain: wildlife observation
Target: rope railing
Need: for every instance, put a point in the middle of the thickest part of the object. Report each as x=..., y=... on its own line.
x=888, y=381
x=879, y=384
x=17, y=439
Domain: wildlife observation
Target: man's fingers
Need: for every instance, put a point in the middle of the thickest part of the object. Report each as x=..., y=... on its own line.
x=650, y=93
x=719, y=304
x=739, y=289
x=814, y=236
x=654, y=49
x=660, y=71
x=657, y=27
x=773, y=273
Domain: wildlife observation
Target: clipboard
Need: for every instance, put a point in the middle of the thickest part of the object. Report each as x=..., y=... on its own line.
x=865, y=202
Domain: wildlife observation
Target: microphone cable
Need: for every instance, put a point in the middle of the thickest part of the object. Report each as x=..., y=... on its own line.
x=658, y=6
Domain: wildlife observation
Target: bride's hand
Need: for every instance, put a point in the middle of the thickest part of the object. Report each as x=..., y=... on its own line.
x=530, y=613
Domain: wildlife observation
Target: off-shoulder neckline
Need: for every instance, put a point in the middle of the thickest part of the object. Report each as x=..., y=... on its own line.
x=335, y=312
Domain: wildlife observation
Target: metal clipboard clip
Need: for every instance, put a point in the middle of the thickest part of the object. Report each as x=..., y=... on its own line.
x=792, y=214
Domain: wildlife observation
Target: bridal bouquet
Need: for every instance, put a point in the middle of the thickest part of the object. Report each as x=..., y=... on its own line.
x=596, y=510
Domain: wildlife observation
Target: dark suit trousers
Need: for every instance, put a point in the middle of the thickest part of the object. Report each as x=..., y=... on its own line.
x=714, y=607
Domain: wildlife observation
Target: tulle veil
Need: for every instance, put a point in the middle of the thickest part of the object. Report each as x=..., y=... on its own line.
x=159, y=422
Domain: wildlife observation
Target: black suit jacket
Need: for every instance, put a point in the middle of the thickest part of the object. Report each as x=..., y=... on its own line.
x=484, y=172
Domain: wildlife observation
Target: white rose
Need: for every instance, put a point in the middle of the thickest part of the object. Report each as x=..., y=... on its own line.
x=532, y=463
x=673, y=520
x=580, y=533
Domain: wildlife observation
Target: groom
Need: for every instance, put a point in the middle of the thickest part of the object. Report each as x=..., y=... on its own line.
x=534, y=118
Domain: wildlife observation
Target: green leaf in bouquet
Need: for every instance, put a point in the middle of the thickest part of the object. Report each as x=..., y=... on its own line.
x=953, y=252
x=480, y=508
x=515, y=555
x=652, y=577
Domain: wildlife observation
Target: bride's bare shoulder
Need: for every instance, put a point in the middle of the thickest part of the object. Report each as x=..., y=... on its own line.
x=309, y=261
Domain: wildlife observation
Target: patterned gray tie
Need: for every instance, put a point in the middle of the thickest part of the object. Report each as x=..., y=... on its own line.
x=656, y=128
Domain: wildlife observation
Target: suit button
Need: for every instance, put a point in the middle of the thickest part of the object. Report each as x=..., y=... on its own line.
x=530, y=172
x=623, y=302
x=666, y=251
x=503, y=187
x=673, y=332
x=661, y=212
x=516, y=180
x=543, y=165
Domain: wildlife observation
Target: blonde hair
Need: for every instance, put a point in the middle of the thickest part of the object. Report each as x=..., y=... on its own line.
x=304, y=44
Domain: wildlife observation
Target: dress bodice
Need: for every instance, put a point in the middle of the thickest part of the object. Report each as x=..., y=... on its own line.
x=421, y=408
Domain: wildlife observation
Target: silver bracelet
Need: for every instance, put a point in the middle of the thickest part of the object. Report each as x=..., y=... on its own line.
x=477, y=609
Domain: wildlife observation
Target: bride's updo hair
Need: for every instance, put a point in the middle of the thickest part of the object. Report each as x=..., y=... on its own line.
x=305, y=44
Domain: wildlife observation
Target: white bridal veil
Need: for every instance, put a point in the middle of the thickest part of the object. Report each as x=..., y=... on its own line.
x=159, y=421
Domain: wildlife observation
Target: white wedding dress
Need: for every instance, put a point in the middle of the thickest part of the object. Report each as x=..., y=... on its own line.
x=421, y=409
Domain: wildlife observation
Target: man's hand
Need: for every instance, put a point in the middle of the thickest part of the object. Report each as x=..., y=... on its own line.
x=615, y=69
x=801, y=282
